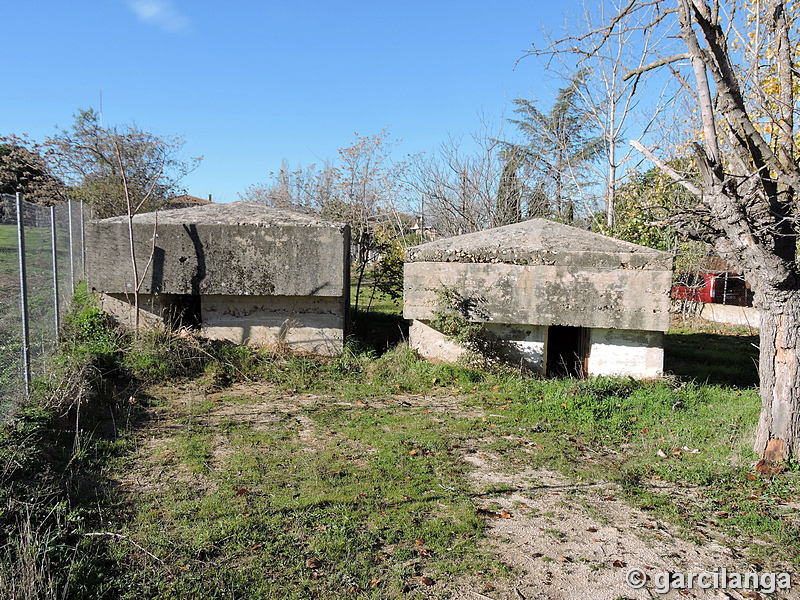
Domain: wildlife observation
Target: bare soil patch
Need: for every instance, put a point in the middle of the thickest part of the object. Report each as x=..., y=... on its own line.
x=570, y=540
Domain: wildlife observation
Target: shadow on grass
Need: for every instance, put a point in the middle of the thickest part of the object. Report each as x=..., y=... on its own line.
x=379, y=331
x=712, y=358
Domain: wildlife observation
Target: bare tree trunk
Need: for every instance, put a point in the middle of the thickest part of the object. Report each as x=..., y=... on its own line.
x=559, y=192
x=135, y=273
x=778, y=433
x=371, y=297
x=363, y=256
x=612, y=174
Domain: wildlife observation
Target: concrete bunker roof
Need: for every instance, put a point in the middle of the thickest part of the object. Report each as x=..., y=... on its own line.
x=540, y=242
x=232, y=213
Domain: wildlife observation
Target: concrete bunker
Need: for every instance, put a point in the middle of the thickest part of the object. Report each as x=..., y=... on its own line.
x=555, y=298
x=240, y=272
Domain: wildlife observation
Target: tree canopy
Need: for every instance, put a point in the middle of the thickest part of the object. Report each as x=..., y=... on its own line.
x=23, y=169
x=108, y=166
x=559, y=146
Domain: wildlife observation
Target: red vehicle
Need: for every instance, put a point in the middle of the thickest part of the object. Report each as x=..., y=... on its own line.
x=717, y=287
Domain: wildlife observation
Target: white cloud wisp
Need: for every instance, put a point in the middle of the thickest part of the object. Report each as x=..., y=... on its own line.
x=160, y=13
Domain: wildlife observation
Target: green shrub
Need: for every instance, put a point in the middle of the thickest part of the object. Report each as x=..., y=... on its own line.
x=89, y=335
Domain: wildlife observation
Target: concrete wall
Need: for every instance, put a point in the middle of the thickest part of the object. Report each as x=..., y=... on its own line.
x=613, y=352
x=520, y=344
x=522, y=279
x=638, y=354
x=432, y=344
x=517, y=344
x=543, y=294
x=243, y=272
x=154, y=309
x=286, y=260
x=541, y=242
x=301, y=323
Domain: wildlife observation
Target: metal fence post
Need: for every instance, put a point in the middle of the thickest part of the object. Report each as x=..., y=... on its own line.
x=71, y=248
x=83, y=244
x=23, y=297
x=55, y=268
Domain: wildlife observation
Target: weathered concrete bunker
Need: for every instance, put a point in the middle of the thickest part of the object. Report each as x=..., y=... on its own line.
x=240, y=272
x=555, y=298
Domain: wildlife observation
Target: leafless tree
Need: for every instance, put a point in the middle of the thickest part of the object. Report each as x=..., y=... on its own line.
x=735, y=61
x=606, y=96
x=455, y=189
x=86, y=158
x=133, y=206
x=368, y=188
x=119, y=171
x=305, y=189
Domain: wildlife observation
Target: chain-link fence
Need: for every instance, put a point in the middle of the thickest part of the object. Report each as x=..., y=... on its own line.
x=42, y=258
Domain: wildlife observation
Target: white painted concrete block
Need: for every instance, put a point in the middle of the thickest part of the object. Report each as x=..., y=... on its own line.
x=432, y=344
x=121, y=308
x=523, y=344
x=746, y=316
x=619, y=352
x=518, y=344
x=313, y=324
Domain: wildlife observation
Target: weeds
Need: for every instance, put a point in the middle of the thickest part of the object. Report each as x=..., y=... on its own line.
x=26, y=572
x=455, y=318
x=262, y=512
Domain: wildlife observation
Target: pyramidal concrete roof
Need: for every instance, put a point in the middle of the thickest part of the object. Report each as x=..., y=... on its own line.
x=232, y=213
x=541, y=242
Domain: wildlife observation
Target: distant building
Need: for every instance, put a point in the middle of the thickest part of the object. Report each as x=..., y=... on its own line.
x=187, y=201
x=425, y=232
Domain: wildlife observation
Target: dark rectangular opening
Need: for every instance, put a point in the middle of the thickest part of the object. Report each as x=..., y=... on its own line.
x=184, y=311
x=567, y=351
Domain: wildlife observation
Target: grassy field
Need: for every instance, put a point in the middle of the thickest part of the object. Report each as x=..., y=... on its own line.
x=40, y=305
x=712, y=352
x=378, y=323
x=224, y=472
x=319, y=479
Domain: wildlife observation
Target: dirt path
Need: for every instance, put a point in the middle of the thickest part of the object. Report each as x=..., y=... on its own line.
x=570, y=540
x=563, y=539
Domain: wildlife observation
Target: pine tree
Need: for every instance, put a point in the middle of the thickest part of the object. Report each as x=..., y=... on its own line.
x=508, y=208
x=559, y=147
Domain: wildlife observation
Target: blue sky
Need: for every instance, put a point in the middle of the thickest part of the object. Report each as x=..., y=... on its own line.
x=249, y=84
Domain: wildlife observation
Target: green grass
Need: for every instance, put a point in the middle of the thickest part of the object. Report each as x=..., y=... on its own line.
x=378, y=478
x=50, y=457
x=373, y=300
x=35, y=236
x=42, y=334
x=363, y=513
x=712, y=353
x=378, y=324
x=366, y=496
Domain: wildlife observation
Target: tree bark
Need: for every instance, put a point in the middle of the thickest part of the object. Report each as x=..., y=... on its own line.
x=747, y=204
x=778, y=433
